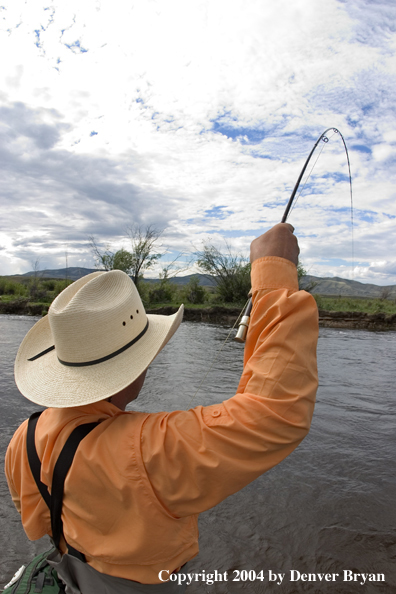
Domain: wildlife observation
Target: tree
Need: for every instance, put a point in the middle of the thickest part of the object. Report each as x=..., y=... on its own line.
x=143, y=241
x=385, y=293
x=165, y=291
x=134, y=262
x=120, y=260
x=230, y=272
x=301, y=271
x=123, y=260
x=34, y=281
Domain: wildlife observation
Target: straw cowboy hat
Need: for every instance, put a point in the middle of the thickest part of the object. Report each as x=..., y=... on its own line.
x=96, y=340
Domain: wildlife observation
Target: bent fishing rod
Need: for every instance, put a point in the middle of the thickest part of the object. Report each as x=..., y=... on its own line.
x=244, y=323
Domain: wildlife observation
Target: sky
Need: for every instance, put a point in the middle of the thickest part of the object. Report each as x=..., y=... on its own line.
x=196, y=117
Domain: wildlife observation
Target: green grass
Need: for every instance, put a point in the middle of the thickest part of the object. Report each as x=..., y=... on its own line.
x=44, y=291
x=347, y=304
x=206, y=305
x=371, y=306
x=8, y=298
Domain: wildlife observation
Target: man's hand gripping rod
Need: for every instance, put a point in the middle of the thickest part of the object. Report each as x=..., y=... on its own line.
x=244, y=323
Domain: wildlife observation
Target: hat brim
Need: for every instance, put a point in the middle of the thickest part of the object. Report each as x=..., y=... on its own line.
x=48, y=382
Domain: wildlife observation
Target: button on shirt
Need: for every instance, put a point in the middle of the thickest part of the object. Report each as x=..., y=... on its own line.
x=139, y=480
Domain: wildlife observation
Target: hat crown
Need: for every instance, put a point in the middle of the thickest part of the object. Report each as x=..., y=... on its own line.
x=94, y=319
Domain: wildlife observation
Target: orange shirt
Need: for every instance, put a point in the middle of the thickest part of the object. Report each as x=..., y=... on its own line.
x=139, y=480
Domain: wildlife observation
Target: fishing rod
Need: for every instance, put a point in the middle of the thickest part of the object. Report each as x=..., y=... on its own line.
x=244, y=323
x=245, y=313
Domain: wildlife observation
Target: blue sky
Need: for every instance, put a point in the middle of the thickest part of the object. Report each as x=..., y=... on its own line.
x=197, y=117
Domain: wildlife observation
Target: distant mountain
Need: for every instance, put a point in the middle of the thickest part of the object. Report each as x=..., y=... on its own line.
x=330, y=286
x=72, y=273
x=335, y=286
x=204, y=280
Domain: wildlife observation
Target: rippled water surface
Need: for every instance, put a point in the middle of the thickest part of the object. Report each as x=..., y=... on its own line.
x=330, y=506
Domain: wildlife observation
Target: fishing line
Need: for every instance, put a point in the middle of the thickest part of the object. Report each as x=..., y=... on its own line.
x=289, y=207
x=350, y=190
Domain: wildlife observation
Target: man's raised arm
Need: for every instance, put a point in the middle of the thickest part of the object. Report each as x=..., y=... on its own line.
x=196, y=458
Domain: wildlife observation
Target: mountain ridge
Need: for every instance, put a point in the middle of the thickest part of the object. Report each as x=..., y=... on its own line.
x=329, y=286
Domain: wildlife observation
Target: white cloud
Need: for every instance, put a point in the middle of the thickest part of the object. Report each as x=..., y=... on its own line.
x=383, y=151
x=197, y=116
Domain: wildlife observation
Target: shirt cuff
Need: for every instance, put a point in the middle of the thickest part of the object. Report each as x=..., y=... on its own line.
x=272, y=272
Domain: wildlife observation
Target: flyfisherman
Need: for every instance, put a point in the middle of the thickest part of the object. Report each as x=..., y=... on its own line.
x=138, y=481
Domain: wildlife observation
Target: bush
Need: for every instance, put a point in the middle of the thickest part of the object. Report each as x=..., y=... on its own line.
x=144, y=289
x=60, y=285
x=162, y=292
x=236, y=288
x=193, y=292
x=319, y=301
x=49, y=284
x=9, y=287
x=230, y=272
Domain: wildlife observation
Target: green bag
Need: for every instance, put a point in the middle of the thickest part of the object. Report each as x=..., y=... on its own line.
x=38, y=576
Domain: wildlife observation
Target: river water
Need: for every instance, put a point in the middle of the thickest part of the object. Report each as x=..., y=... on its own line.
x=329, y=507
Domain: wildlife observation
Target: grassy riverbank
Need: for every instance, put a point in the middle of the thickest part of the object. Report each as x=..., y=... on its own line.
x=331, y=304
x=356, y=304
x=33, y=296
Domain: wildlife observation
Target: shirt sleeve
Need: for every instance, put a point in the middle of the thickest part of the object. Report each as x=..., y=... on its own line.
x=194, y=459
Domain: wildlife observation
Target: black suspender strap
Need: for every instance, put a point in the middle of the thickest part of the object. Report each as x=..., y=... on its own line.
x=34, y=461
x=61, y=469
x=62, y=466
